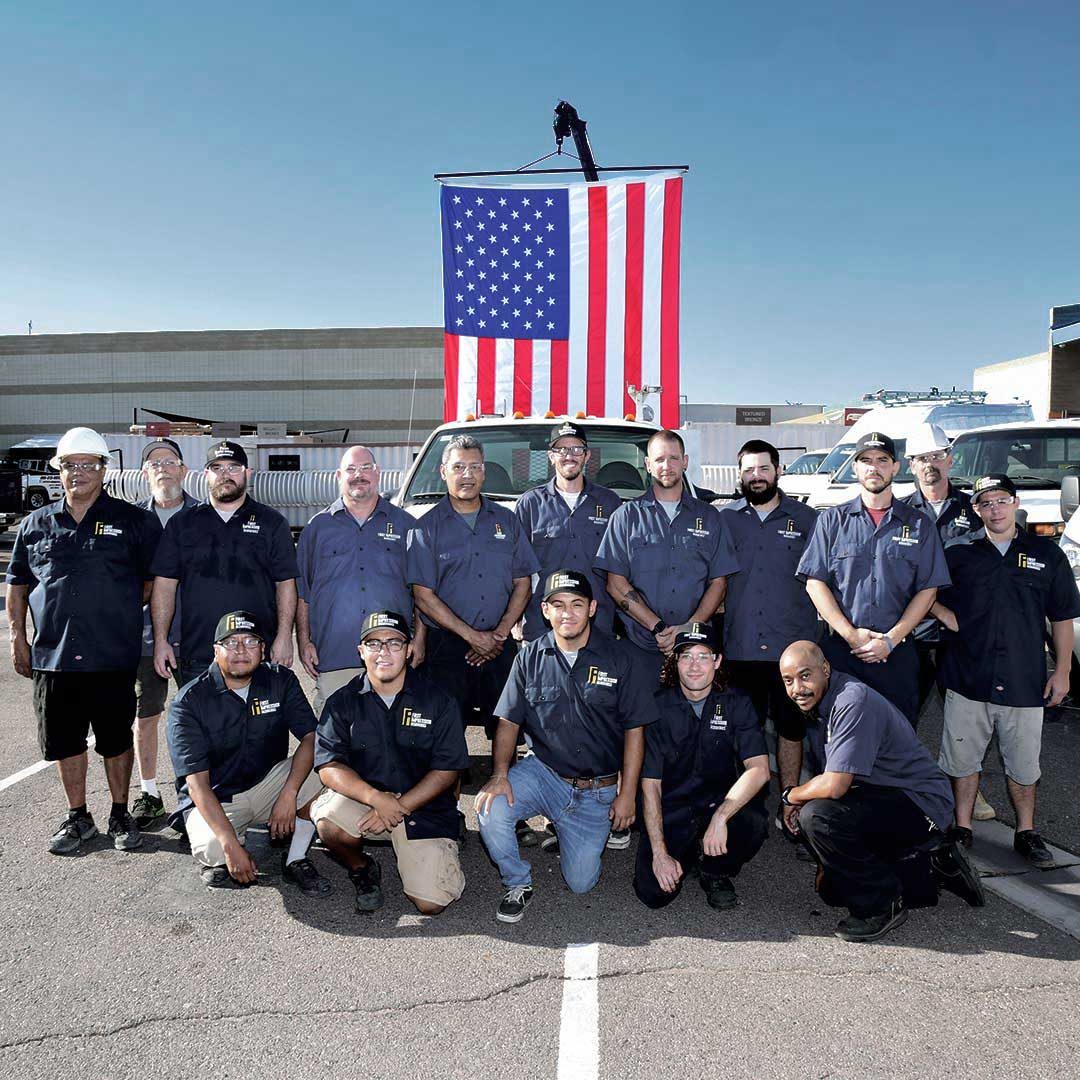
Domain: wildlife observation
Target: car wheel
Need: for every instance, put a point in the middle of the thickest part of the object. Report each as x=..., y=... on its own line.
x=36, y=500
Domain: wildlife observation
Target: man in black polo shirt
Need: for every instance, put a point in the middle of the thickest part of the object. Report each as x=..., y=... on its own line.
x=82, y=567
x=1006, y=586
x=704, y=779
x=389, y=749
x=576, y=696
x=228, y=735
x=229, y=554
x=875, y=814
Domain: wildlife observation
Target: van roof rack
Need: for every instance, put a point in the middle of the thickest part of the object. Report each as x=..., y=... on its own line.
x=933, y=396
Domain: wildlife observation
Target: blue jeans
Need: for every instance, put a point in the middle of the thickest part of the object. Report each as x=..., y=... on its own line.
x=580, y=818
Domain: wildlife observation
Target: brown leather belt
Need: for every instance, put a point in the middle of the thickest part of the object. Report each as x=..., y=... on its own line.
x=586, y=783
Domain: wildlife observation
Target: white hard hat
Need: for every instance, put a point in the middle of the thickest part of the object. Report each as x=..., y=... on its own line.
x=925, y=439
x=80, y=440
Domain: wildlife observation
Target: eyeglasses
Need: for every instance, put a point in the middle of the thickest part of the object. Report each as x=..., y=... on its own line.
x=226, y=470
x=81, y=466
x=692, y=658
x=238, y=644
x=935, y=457
x=570, y=451
x=985, y=504
x=353, y=470
x=458, y=469
x=376, y=647
x=164, y=463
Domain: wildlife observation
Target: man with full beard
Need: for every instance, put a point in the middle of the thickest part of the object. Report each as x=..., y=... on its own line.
x=231, y=553
x=873, y=567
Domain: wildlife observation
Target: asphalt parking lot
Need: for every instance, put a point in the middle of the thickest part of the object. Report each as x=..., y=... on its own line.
x=123, y=965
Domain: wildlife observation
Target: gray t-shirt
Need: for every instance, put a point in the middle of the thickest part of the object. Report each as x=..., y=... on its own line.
x=243, y=690
x=469, y=519
x=1002, y=545
x=388, y=699
x=936, y=507
x=570, y=657
x=570, y=498
x=164, y=513
x=698, y=707
x=670, y=508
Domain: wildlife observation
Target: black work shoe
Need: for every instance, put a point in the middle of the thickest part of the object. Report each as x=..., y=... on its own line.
x=719, y=892
x=124, y=832
x=960, y=835
x=218, y=877
x=1030, y=844
x=367, y=880
x=618, y=839
x=72, y=834
x=147, y=809
x=513, y=904
x=463, y=831
x=305, y=877
x=874, y=926
x=550, y=840
x=525, y=836
x=955, y=874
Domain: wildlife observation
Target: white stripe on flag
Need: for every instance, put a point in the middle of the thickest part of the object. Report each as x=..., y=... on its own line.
x=651, y=287
x=467, y=377
x=614, y=352
x=504, y=376
x=578, y=365
x=541, y=377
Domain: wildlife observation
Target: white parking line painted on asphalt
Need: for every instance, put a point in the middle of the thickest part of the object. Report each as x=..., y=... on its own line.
x=30, y=770
x=579, y=1025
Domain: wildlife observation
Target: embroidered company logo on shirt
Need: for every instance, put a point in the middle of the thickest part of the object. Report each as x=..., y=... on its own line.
x=904, y=537
x=102, y=529
x=263, y=706
x=596, y=677
x=411, y=718
x=699, y=529
x=499, y=534
x=718, y=722
x=251, y=525
x=962, y=521
x=389, y=533
x=1026, y=562
x=598, y=517
x=789, y=532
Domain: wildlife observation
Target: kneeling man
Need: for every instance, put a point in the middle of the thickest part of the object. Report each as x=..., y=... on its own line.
x=389, y=749
x=576, y=696
x=228, y=737
x=875, y=814
x=704, y=779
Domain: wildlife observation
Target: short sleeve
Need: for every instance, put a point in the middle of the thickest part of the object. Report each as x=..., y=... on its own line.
x=449, y=752
x=749, y=738
x=854, y=736
x=1063, y=601
x=305, y=559
x=933, y=572
x=814, y=563
x=511, y=704
x=299, y=712
x=332, y=733
x=421, y=566
x=525, y=561
x=652, y=767
x=18, y=571
x=724, y=560
x=282, y=552
x=637, y=706
x=186, y=738
x=149, y=538
x=167, y=562
x=613, y=555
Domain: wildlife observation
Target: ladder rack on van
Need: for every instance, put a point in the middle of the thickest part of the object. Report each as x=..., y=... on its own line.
x=933, y=396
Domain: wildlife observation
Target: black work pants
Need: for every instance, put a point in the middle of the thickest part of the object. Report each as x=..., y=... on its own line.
x=926, y=651
x=683, y=830
x=873, y=846
x=760, y=680
x=896, y=680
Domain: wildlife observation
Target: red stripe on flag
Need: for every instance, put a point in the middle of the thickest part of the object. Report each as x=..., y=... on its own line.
x=560, y=376
x=669, y=305
x=485, y=374
x=450, y=375
x=635, y=273
x=598, y=286
x=523, y=348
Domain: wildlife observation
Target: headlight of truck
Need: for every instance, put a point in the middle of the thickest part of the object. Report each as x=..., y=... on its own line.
x=1072, y=552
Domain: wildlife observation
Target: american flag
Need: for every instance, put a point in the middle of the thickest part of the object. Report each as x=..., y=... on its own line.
x=559, y=297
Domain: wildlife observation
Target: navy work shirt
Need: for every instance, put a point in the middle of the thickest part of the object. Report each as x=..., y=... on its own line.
x=565, y=540
x=576, y=718
x=874, y=571
x=85, y=583
x=766, y=607
x=698, y=760
x=148, y=624
x=225, y=566
x=858, y=731
x=394, y=748
x=347, y=571
x=669, y=562
x=471, y=571
x=1001, y=604
x=213, y=729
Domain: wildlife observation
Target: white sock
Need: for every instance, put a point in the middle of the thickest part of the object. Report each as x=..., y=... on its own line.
x=302, y=836
x=149, y=786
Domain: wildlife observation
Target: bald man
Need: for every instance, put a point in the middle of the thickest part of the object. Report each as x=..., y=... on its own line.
x=876, y=813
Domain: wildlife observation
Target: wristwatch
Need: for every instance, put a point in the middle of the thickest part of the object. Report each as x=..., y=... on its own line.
x=784, y=796
x=659, y=628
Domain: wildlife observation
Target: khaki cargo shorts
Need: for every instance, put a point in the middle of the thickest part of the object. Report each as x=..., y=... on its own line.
x=969, y=727
x=429, y=869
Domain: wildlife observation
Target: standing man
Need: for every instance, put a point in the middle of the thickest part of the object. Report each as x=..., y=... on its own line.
x=1006, y=586
x=229, y=740
x=704, y=779
x=577, y=695
x=565, y=520
x=667, y=556
x=351, y=559
x=81, y=566
x=389, y=748
x=873, y=568
x=875, y=814
x=164, y=470
x=231, y=553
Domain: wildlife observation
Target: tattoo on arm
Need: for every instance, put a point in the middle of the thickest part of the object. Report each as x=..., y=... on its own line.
x=631, y=596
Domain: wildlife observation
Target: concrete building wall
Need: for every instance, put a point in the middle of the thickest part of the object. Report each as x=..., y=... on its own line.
x=1027, y=378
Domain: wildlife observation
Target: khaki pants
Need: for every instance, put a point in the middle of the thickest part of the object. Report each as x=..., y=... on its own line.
x=429, y=869
x=329, y=681
x=244, y=809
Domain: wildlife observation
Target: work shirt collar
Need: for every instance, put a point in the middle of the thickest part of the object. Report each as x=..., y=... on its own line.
x=783, y=509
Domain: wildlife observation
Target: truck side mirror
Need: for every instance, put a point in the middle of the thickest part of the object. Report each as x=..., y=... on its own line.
x=1070, y=495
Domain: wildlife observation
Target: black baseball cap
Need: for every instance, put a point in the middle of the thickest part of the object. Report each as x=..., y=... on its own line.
x=161, y=444
x=568, y=431
x=571, y=581
x=875, y=440
x=237, y=622
x=992, y=482
x=385, y=620
x=696, y=633
x=227, y=450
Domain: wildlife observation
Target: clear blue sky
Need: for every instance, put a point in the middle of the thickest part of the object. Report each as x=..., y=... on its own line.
x=877, y=197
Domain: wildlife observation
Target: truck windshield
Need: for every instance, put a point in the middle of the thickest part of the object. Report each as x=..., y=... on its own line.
x=835, y=458
x=1031, y=457
x=516, y=460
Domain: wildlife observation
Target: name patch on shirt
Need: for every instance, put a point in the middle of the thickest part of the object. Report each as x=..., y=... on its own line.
x=1026, y=562
x=718, y=722
x=411, y=718
x=699, y=529
x=904, y=537
x=499, y=533
x=264, y=706
x=102, y=529
x=388, y=533
x=596, y=677
x=251, y=525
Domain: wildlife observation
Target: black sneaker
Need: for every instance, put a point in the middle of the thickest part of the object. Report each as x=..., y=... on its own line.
x=124, y=832
x=958, y=834
x=618, y=839
x=218, y=877
x=525, y=836
x=550, y=840
x=72, y=834
x=513, y=904
x=873, y=927
x=367, y=880
x=147, y=809
x=719, y=892
x=305, y=877
x=1030, y=844
x=955, y=874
